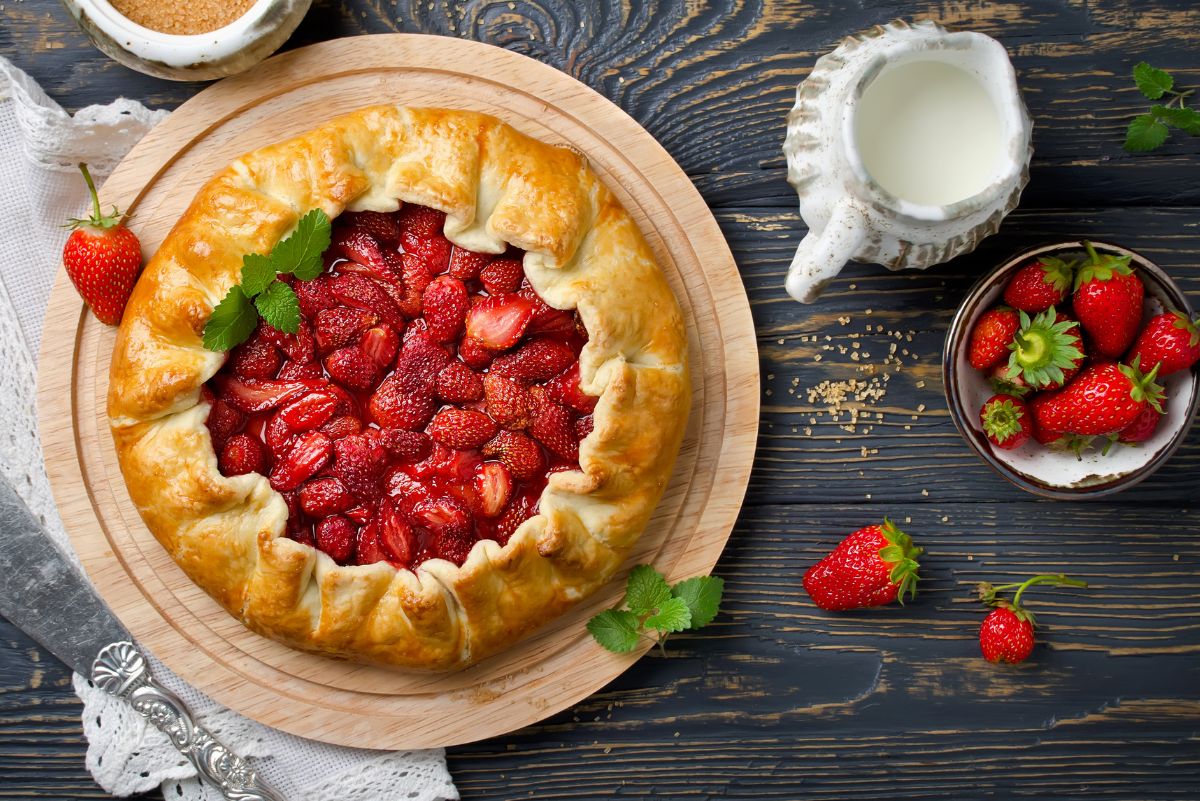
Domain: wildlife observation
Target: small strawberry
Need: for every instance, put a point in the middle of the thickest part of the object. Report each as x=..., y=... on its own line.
x=458, y=383
x=462, y=429
x=564, y=389
x=305, y=458
x=406, y=446
x=474, y=354
x=253, y=395
x=498, y=322
x=519, y=453
x=1103, y=399
x=1005, y=382
x=367, y=549
x=1039, y=285
x=309, y=411
x=335, y=536
x=1047, y=350
x=322, y=497
x=339, y=326
x=396, y=536
x=991, y=337
x=255, y=358
x=536, y=360
x=553, y=426
x=493, y=483
x=242, y=454
x=502, y=276
x=359, y=463
x=102, y=258
x=359, y=292
x=445, y=305
x=466, y=265
x=405, y=399
x=523, y=506
x=1006, y=421
x=298, y=346
x=223, y=422
x=871, y=567
x=1108, y=302
x=584, y=426
x=315, y=296
x=380, y=343
x=342, y=426
x=1170, y=340
x=507, y=401
x=1006, y=634
x=383, y=227
x=1142, y=428
x=352, y=368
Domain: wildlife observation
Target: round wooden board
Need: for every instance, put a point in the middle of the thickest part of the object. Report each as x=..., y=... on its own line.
x=341, y=702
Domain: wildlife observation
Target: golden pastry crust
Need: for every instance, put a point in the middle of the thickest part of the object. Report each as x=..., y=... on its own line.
x=497, y=187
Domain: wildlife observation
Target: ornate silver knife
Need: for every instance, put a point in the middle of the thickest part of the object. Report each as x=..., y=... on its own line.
x=46, y=597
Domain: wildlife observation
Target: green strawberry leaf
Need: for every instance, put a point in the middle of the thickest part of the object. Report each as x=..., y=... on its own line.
x=702, y=595
x=279, y=307
x=673, y=615
x=300, y=253
x=647, y=590
x=232, y=321
x=258, y=271
x=615, y=629
x=1145, y=133
x=1152, y=82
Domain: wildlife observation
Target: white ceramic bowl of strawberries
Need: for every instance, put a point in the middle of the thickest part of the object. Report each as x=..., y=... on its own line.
x=1071, y=369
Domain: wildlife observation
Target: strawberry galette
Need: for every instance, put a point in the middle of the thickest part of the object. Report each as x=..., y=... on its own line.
x=472, y=423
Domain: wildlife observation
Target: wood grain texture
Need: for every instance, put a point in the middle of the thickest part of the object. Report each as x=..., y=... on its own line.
x=777, y=700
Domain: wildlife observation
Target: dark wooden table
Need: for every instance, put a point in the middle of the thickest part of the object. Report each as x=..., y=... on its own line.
x=777, y=700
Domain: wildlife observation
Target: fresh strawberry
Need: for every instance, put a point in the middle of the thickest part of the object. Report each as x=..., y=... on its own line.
x=990, y=338
x=1006, y=421
x=1046, y=350
x=450, y=522
x=1006, y=382
x=493, y=485
x=383, y=227
x=1044, y=417
x=298, y=347
x=457, y=383
x=102, y=258
x=406, y=446
x=564, y=389
x=498, y=322
x=381, y=344
x=406, y=398
x=325, y=496
x=339, y=326
x=295, y=370
x=223, y=422
x=342, y=426
x=253, y=395
x=335, y=536
x=466, y=265
x=1103, y=399
x=871, y=567
x=1037, y=286
x=309, y=411
x=1170, y=340
x=396, y=536
x=359, y=292
x=1108, y=302
x=242, y=454
x=475, y=355
x=553, y=426
x=502, y=276
x=519, y=453
x=1006, y=634
x=367, y=550
x=359, y=463
x=352, y=368
x=315, y=296
x=255, y=358
x=445, y=307
x=306, y=457
x=508, y=402
x=536, y=360
x=1143, y=426
x=462, y=429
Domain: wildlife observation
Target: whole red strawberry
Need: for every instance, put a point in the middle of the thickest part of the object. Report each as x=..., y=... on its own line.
x=1103, y=399
x=1006, y=634
x=1170, y=340
x=1006, y=421
x=1039, y=285
x=1047, y=350
x=1142, y=428
x=102, y=258
x=991, y=337
x=1108, y=302
x=871, y=567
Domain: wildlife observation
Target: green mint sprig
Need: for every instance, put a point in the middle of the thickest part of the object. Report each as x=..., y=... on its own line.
x=1148, y=131
x=655, y=606
x=260, y=292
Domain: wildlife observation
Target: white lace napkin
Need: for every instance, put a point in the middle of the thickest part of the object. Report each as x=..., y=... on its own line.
x=40, y=145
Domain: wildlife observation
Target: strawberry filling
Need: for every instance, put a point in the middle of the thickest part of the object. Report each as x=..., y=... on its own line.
x=422, y=405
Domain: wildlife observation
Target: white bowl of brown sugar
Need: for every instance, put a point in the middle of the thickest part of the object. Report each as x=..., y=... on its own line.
x=192, y=40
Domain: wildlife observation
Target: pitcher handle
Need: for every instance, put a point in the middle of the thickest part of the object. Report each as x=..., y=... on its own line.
x=821, y=255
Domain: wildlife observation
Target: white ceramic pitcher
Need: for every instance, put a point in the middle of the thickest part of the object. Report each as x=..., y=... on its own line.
x=917, y=211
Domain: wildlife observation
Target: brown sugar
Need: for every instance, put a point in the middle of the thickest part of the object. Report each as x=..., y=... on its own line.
x=182, y=18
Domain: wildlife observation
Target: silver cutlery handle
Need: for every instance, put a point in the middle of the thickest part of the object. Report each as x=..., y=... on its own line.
x=120, y=670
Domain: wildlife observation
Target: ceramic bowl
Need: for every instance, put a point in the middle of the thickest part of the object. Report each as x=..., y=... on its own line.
x=200, y=57
x=1042, y=470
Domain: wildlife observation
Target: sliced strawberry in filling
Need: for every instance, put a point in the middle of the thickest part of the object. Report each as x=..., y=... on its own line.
x=422, y=404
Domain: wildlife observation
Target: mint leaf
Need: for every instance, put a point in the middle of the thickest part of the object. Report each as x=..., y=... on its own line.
x=702, y=596
x=279, y=307
x=673, y=615
x=1185, y=119
x=300, y=253
x=1153, y=83
x=258, y=272
x=615, y=629
x=1145, y=133
x=232, y=321
x=647, y=590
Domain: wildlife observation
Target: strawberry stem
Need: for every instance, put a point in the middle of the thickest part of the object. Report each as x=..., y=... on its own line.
x=1058, y=579
x=91, y=185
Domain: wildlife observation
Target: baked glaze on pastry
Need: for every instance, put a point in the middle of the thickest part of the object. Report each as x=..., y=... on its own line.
x=367, y=501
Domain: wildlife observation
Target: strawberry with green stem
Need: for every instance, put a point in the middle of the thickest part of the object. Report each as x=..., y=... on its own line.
x=102, y=258
x=1102, y=400
x=1006, y=634
x=1108, y=302
x=1046, y=351
x=1042, y=283
x=1170, y=340
x=870, y=567
x=1006, y=421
